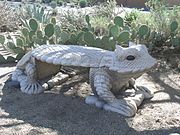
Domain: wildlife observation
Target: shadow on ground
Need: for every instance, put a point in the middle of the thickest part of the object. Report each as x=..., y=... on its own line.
x=173, y=92
x=65, y=115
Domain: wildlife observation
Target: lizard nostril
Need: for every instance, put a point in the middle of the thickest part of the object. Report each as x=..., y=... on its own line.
x=130, y=57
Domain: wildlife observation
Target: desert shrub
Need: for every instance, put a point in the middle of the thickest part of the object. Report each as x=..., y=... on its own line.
x=100, y=25
x=107, y=9
x=72, y=21
x=9, y=19
x=34, y=11
x=95, y=2
x=163, y=23
x=131, y=17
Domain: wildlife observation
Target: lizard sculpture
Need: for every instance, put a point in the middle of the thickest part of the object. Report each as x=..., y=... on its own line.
x=110, y=72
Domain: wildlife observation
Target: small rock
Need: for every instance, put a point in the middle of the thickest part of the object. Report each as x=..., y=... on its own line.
x=158, y=120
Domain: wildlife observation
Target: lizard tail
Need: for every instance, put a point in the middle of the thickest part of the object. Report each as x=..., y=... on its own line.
x=25, y=74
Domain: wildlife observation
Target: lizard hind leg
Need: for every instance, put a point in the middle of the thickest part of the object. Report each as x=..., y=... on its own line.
x=102, y=85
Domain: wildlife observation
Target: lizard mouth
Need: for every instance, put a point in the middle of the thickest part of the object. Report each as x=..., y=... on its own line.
x=153, y=64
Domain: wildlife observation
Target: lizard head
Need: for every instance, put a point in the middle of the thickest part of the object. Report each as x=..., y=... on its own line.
x=133, y=59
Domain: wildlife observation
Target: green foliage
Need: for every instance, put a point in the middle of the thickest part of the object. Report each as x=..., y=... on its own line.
x=175, y=41
x=53, y=4
x=2, y=39
x=108, y=43
x=10, y=59
x=64, y=37
x=124, y=37
x=131, y=17
x=89, y=38
x=57, y=30
x=89, y=27
x=10, y=45
x=19, y=42
x=87, y=19
x=2, y=59
x=143, y=30
x=114, y=31
x=25, y=32
x=19, y=56
x=59, y=2
x=82, y=3
x=105, y=42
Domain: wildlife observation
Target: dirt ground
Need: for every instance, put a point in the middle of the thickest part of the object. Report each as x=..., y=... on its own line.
x=62, y=110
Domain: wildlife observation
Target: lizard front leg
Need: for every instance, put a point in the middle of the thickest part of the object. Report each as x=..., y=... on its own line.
x=105, y=98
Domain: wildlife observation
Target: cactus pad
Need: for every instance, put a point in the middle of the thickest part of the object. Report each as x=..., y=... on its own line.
x=174, y=25
x=49, y=30
x=2, y=39
x=123, y=37
x=143, y=30
x=118, y=21
x=33, y=24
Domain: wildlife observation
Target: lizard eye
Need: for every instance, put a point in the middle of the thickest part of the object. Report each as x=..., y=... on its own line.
x=130, y=57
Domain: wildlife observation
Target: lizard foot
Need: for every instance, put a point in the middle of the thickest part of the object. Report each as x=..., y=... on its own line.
x=145, y=91
x=125, y=107
x=93, y=100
